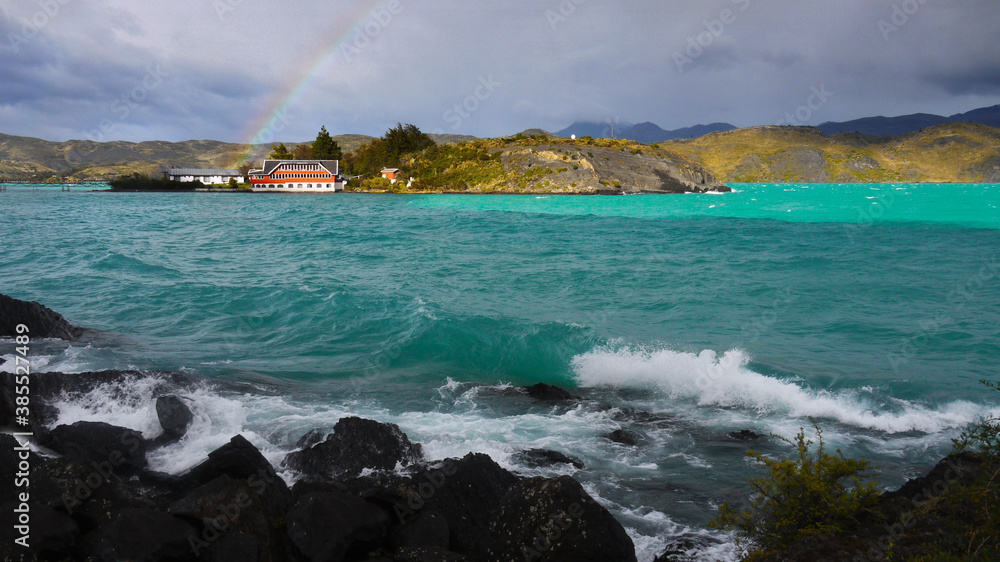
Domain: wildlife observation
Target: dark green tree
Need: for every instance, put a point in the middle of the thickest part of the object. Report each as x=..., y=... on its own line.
x=325, y=148
x=390, y=150
x=280, y=152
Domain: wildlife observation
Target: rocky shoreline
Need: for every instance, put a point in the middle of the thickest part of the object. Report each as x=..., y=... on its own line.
x=362, y=490
x=365, y=492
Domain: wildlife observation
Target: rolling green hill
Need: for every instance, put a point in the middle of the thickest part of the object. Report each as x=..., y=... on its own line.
x=955, y=152
x=30, y=158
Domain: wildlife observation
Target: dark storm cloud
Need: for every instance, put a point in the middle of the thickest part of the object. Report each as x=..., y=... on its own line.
x=477, y=67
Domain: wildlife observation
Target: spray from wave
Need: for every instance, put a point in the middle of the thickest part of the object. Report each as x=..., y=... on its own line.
x=726, y=382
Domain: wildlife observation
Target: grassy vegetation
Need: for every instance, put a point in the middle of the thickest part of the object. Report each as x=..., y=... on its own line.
x=946, y=153
x=818, y=506
x=812, y=493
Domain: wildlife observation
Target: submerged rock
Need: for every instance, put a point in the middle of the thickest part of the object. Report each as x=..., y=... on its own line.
x=41, y=322
x=555, y=520
x=624, y=437
x=546, y=457
x=744, y=435
x=542, y=391
x=356, y=444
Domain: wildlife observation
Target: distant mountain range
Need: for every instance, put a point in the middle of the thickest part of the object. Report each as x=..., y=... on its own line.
x=643, y=132
x=878, y=126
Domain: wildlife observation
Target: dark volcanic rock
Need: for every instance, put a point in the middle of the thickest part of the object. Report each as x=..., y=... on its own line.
x=174, y=416
x=744, y=435
x=427, y=528
x=237, y=459
x=354, y=445
x=41, y=322
x=624, y=437
x=52, y=534
x=311, y=438
x=99, y=444
x=249, y=508
x=466, y=491
x=546, y=457
x=542, y=391
x=141, y=535
x=327, y=526
x=555, y=520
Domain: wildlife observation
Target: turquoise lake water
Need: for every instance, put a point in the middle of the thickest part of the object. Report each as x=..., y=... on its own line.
x=873, y=309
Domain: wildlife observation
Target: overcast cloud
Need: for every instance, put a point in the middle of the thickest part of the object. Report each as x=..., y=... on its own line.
x=219, y=69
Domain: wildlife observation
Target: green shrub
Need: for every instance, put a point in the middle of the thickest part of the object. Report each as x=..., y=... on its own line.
x=810, y=493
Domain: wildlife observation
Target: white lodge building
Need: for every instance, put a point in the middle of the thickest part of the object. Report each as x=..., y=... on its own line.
x=298, y=176
x=207, y=177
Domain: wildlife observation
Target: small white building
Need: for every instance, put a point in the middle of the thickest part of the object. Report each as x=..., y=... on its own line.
x=207, y=177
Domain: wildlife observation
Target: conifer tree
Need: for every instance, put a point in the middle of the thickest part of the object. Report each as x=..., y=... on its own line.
x=325, y=148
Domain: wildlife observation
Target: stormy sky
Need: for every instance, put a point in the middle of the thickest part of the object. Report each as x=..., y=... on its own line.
x=239, y=70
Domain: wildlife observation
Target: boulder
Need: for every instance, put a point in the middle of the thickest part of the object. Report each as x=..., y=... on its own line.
x=555, y=520
x=141, y=535
x=744, y=435
x=545, y=458
x=547, y=392
x=100, y=445
x=312, y=437
x=356, y=444
x=328, y=526
x=237, y=459
x=466, y=491
x=426, y=528
x=41, y=322
x=240, y=511
x=52, y=534
x=174, y=416
x=624, y=437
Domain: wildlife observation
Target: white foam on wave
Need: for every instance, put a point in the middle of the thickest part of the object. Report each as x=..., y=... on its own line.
x=725, y=382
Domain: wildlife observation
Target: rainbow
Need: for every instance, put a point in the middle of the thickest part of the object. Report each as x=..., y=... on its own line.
x=270, y=120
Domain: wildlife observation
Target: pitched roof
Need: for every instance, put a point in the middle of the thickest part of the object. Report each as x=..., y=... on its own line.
x=204, y=172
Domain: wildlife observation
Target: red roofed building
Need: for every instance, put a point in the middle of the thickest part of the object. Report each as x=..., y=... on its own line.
x=298, y=176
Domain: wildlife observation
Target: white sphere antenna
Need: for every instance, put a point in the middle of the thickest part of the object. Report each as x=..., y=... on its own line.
x=572, y=137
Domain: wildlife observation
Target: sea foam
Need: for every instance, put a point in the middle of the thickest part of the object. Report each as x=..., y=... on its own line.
x=726, y=382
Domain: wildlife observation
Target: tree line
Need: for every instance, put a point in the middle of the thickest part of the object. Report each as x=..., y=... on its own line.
x=392, y=150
